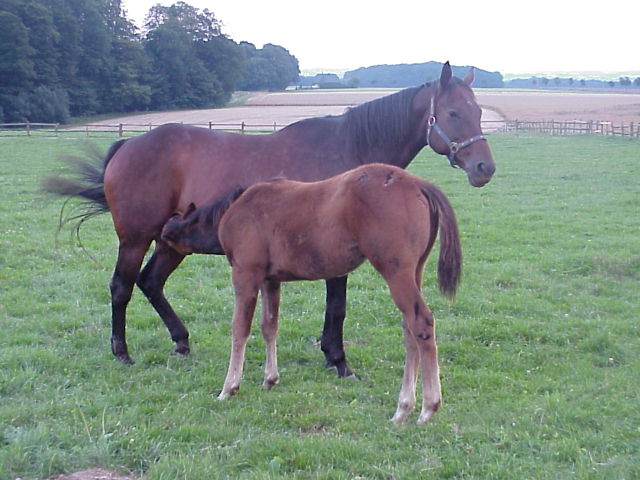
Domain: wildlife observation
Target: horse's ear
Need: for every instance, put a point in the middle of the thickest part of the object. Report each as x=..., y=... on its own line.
x=468, y=79
x=445, y=76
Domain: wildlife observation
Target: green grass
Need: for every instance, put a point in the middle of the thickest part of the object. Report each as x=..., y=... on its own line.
x=539, y=354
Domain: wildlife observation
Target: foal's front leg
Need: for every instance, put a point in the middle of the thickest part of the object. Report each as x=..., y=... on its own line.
x=269, y=323
x=245, y=304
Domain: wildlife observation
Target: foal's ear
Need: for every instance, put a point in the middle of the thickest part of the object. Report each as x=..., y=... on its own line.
x=445, y=76
x=468, y=79
x=190, y=209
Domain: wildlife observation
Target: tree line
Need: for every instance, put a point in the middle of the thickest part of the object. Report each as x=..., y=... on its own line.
x=545, y=82
x=64, y=58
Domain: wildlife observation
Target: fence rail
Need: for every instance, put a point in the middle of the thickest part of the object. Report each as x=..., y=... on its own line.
x=553, y=127
x=571, y=127
x=124, y=129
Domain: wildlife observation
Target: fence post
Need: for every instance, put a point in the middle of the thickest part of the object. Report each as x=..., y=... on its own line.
x=242, y=127
x=120, y=130
x=28, y=129
x=210, y=125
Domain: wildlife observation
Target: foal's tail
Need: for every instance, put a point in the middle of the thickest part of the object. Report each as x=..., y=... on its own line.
x=88, y=185
x=450, y=261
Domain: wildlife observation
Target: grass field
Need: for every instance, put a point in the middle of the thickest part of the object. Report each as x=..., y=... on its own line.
x=539, y=354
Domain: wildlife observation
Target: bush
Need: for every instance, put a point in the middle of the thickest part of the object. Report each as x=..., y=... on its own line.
x=15, y=106
x=49, y=105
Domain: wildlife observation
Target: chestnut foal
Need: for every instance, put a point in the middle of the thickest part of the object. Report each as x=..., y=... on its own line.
x=286, y=230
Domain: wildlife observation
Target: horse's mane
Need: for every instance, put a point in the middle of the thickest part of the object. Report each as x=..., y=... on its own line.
x=382, y=121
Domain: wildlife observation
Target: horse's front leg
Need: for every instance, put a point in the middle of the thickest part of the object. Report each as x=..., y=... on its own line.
x=269, y=324
x=246, y=295
x=332, y=342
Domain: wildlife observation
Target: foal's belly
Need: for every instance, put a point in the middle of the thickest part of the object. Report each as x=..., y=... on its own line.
x=315, y=263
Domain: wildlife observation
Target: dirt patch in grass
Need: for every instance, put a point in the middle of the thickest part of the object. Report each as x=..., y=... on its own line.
x=93, y=474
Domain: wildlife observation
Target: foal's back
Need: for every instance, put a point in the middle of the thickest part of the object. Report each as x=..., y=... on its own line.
x=289, y=230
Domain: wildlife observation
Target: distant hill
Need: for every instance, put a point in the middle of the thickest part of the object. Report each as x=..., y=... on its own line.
x=407, y=75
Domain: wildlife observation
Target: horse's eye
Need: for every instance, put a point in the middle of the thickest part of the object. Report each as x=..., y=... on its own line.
x=454, y=114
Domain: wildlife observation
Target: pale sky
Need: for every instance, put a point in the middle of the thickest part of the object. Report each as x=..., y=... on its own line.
x=496, y=35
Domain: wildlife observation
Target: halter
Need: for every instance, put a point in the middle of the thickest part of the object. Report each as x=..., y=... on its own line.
x=454, y=147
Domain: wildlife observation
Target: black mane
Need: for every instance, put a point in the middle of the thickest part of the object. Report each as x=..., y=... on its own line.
x=209, y=215
x=380, y=122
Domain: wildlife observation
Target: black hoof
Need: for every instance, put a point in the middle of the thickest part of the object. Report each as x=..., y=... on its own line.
x=125, y=359
x=182, y=348
x=120, y=351
x=342, y=370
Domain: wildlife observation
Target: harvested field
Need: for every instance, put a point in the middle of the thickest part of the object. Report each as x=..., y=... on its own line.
x=562, y=105
x=283, y=108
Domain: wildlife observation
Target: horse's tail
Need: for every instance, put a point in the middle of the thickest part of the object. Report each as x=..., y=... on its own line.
x=88, y=185
x=450, y=261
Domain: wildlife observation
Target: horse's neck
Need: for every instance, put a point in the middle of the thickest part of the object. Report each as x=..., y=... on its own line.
x=401, y=151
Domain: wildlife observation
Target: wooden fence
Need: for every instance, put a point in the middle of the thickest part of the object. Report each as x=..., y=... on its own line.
x=571, y=127
x=122, y=129
x=553, y=127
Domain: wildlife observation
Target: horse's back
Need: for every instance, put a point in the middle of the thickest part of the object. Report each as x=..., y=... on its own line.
x=154, y=175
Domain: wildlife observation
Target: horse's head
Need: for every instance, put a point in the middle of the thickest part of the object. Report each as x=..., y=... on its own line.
x=191, y=232
x=453, y=127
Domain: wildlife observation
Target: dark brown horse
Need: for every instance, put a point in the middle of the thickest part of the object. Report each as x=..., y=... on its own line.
x=285, y=230
x=148, y=178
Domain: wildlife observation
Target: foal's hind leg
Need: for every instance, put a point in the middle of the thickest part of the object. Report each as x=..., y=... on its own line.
x=152, y=280
x=130, y=258
x=420, y=343
x=269, y=325
x=332, y=341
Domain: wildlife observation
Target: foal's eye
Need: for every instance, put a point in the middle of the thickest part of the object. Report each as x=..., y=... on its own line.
x=454, y=114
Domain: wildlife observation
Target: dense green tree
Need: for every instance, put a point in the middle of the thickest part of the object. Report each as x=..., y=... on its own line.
x=16, y=55
x=44, y=41
x=223, y=57
x=16, y=67
x=180, y=79
x=80, y=57
x=269, y=68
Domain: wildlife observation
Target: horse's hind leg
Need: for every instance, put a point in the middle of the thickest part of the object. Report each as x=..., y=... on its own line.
x=269, y=325
x=332, y=341
x=130, y=258
x=152, y=280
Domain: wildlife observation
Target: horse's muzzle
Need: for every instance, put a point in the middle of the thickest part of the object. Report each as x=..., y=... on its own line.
x=481, y=173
